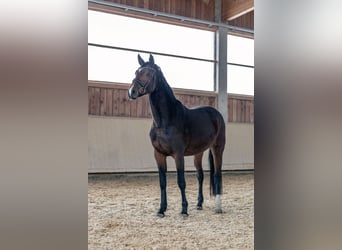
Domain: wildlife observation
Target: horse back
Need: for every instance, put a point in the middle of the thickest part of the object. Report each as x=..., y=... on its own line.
x=205, y=119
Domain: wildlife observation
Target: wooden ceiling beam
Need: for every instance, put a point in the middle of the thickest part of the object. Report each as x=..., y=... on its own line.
x=232, y=9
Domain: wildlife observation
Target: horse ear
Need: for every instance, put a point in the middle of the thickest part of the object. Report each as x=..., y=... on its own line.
x=140, y=60
x=151, y=59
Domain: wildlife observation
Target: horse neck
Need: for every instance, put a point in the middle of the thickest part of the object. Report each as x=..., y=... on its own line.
x=163, y=103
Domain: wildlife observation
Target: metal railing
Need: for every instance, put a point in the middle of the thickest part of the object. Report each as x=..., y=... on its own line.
x=165, y=54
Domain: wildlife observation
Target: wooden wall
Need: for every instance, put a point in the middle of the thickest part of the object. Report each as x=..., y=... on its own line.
x=244, y=21
x=112, y=100
x=198, y=9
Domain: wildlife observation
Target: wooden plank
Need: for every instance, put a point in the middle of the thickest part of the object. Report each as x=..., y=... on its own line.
x=116, y=102
x=211, y=12
x=146, y=107
x=156, y=5
x=234, y=110
x=203, y=10
x=252, y=112
x=89, y=100
x=178, y=7
x=92, y=105
x=142, y=107
x=247, y=103
x=245, y=21
x=109, y=102
x=180, y=98
x=167, y=6
x=230, y=110
x=241, y=97
x=133, y=107
x=187, y=8
x=193, y=101
x=102, y=101
x=112, y=85
x=193, y=9
x=129, y=2
x=206, y=101
x=140, y=4
x=173, y=7
x=122, y=104
x=243, y=111
x=207, y=10
x=187, y=100
x=232, y=9
x=239, y=111
x=128, y=106
x=135, y=3
x=214, y=101
x=202, y=101
x=139, y=107
x=182, y=8
x=146, y=4
x=97, y=101
x=162, y=6
x=211, y=101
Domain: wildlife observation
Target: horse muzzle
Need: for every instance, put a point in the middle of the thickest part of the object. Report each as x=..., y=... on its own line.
x=132, y=94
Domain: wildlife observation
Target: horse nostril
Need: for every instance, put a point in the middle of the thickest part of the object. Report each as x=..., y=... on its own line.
x=132, y=93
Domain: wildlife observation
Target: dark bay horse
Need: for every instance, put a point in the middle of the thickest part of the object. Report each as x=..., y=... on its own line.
x=178, y=131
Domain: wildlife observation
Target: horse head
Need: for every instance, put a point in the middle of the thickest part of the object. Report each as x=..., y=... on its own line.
x=145, y=80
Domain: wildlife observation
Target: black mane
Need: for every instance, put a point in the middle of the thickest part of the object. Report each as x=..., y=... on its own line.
x=162, y=81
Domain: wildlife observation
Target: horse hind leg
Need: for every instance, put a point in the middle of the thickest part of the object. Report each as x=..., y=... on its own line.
x=200, y=177
x=216, y=175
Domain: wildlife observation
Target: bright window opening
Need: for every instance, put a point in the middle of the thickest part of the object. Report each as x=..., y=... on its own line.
x=117, y=65
x=126, y=34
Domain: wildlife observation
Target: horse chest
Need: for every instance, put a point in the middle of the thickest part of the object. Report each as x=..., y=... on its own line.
x=163, y=140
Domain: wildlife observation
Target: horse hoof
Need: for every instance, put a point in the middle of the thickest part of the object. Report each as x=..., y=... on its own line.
x=160, y=215
x=218, y=211
x=199, y=208
x=184, y=215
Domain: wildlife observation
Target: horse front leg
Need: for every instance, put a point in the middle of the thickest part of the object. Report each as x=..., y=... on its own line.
x=162, y=167
x=179, y=159
x=200, y=177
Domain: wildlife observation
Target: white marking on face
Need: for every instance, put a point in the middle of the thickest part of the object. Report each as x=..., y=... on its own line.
x=130, y=92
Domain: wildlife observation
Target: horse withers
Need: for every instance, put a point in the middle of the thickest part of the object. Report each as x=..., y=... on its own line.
x=178, y=131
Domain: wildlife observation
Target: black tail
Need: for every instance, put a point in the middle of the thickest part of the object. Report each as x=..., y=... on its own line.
x=212, y=172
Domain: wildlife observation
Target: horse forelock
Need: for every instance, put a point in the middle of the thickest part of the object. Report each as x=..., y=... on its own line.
x=161, y=80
